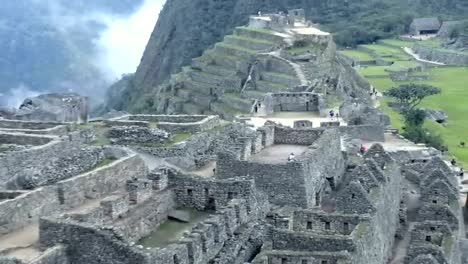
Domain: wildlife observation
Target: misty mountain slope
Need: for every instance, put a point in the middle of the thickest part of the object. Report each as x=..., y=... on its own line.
x=51, y=45
x=188, y=27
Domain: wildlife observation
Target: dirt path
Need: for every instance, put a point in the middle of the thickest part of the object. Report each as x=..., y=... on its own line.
x=21, y=244
x=410, y=52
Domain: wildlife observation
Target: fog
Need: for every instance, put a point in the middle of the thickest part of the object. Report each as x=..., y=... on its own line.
x=125, y=39
x=114, y=43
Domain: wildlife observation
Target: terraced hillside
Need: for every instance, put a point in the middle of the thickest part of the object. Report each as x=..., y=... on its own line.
x=452, y=80
x=228, y=78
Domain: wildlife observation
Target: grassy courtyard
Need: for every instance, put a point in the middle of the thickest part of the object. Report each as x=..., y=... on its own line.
x=451, y=80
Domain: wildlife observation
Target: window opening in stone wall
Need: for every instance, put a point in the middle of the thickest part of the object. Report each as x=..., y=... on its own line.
x=428, y=238
x=353, y=195
x=309, y=225
x=207, y=191
x=189, y=192
x=304, y=261
x=433, y=228
x=176, y=259
x=434, y=201
x=327, y=225
x=284, y=261
x=211, y=205
x=317, y=199
x=230, y=195
x=324, y=262
x=346, y=226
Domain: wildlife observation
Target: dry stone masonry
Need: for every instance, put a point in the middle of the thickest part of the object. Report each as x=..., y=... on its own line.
x=196, y=189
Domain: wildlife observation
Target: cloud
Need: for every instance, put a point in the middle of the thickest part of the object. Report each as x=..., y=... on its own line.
x=14, y=97
x=125, y=39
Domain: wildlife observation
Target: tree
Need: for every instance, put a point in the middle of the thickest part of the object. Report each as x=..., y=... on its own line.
x=411, y=95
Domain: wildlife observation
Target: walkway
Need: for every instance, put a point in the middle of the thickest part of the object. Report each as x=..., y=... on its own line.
x=410, y=52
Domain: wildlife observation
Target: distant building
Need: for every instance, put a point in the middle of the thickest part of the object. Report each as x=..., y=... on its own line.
x=425, y=26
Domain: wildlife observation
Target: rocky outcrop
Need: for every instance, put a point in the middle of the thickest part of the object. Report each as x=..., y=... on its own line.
x=56, y=107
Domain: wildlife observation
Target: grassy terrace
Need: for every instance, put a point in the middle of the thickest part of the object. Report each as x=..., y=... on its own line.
x=312, y=48
x=453, y=100
x=357, y=55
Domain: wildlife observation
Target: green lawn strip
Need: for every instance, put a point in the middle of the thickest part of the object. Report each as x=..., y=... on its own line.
x=312, y=48
x=357, y=55
x=260, y=30
x=397, y=43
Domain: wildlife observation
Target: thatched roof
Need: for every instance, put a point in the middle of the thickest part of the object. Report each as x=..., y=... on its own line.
x=427, y=23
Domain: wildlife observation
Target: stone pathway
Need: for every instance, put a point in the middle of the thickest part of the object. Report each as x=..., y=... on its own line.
x=21, y=244
x=410, y=52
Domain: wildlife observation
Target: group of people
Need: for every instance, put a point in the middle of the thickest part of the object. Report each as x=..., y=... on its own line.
x=333, y=114
x=461, y=173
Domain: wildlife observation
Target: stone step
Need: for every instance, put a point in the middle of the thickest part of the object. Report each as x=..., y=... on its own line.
x=199, y=87
x=222, y=59
x=219, y=70
x=270, y=87
x=254, y=94
x=249, y=43
x=234, y=50
x=280, y=78
x=235, y=102
x=216, y=80
x=262, y=34
x=202, y=99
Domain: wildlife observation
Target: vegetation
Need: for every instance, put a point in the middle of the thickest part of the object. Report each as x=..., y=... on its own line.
x=411, y=95
x=452, y=101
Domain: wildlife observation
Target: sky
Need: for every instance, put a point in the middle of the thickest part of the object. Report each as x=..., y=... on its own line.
x=119, y=46
x=124, y=41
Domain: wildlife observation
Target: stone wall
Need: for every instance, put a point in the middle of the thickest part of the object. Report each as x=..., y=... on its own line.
x=22, y=139
x=292, y=102
x=364, y=132
x=47, y=164
x=104, y=180
x=440, y=55
x=284, y=183
x=286, y=135
x=33, y=125
x=89, y=244
x=27, y=208
x=54, y=255
x=179, y=123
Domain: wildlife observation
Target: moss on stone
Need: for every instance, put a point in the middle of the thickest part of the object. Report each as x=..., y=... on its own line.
x=361, y=229
x=447, y=245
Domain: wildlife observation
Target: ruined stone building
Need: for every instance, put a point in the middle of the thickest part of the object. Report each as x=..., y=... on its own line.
x=198, y=189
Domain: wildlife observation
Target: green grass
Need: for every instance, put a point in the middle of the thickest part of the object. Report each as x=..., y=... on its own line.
x=312, y=48
x=386, y=52
x=453, y=100
x=357, y=55
x=397, y=43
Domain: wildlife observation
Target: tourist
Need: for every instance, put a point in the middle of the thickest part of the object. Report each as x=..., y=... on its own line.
x=462, y=173
x=362, y=150
x=332, y=114
x=462, y=144
x=453, y=162
x=214, y=171
x=291, y=158
x=259, y=13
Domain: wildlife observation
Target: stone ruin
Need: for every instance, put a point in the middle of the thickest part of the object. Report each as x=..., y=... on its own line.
x=227, y=194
